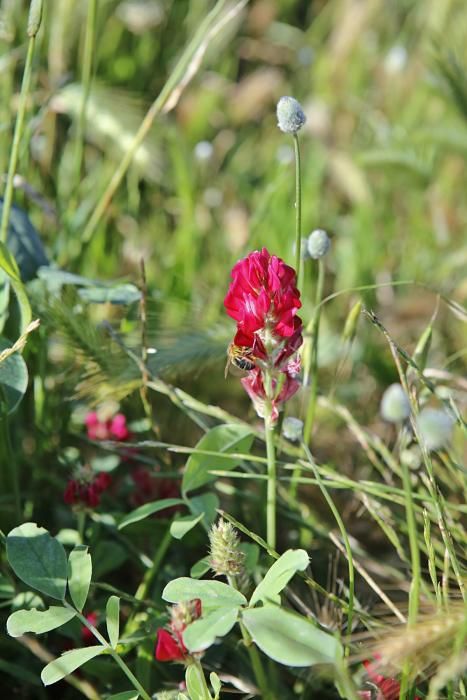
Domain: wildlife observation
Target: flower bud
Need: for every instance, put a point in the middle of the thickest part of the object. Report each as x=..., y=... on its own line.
x=292, y=429
x=318, y=244
x=435, y=428
x=395, y=404
x=290, y=115
x=226, y=557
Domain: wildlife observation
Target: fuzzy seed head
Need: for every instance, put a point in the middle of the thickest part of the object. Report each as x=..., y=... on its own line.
x=226, y=557
x=292, y=429
x=435, y=428
x=395, y=404
x=318, y=244
x=290, y=115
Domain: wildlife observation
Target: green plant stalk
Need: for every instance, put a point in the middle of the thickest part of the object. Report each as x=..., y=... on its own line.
x=200, y=673
x=313, y=369
x=255, y=658
x=148, y=577
x=12, y=465
x=414, y=592
x=90, y=33
x=113, y=653
x=271, y=485
x=298, y=208
x=81, y=522
x=155, y=109
x=271, y=458
x=18, y=132
x=345, y=538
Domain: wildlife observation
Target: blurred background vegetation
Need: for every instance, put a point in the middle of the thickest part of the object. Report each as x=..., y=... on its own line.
x=383, y=154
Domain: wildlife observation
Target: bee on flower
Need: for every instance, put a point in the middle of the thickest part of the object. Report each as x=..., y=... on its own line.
x=263, y=299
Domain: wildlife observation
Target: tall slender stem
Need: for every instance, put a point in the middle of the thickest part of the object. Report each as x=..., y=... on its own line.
x=313, y=368
x=86, y=83
x=343, y=532
x=128, y=673
x=19, y=125
x=271, y=486
x=145, y=584
x=12, y=464
x=298, y=209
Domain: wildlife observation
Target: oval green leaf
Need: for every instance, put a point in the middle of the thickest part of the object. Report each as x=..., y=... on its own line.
x=38, y=559
x=279, y=575
x=68, y=662
x=149, y=509
x=222, y=438
x=195, y=682
x=113, y=619
x=200, y=634
x=79, y=575
x=213, y=594
x=181, y=526
x=13, y=380
x=38, y=621
x=290, y=639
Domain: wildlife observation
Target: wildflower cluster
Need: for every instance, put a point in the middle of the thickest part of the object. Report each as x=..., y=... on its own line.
x=111, y=429
x=264, y=300
x=86, y=488
x=169, y=644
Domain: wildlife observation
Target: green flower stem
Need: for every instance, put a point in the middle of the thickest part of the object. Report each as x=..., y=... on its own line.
x=255, y=658
x=19, y=125
x=312, y=369
x=271, y=485
x=148, y=577
x=81, y=522
x=86, y=83
x=200, y=673
x=343, y=532
x=298, y=208
x=113, y=653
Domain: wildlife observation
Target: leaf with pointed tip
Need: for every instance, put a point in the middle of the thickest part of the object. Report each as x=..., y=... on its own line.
x=68, y=662
x=181, y=526
x=222, y=438
x=148, y=509
x=279, y=575
x=113, y=619
x=79, y=575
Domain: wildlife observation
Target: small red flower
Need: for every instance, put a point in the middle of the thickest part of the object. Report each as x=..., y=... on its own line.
x=389, y=688
x=168, y=648
x=111, y=429
x=169, y=643
x=150, y=487
x=86, y=489
x=87, y=636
